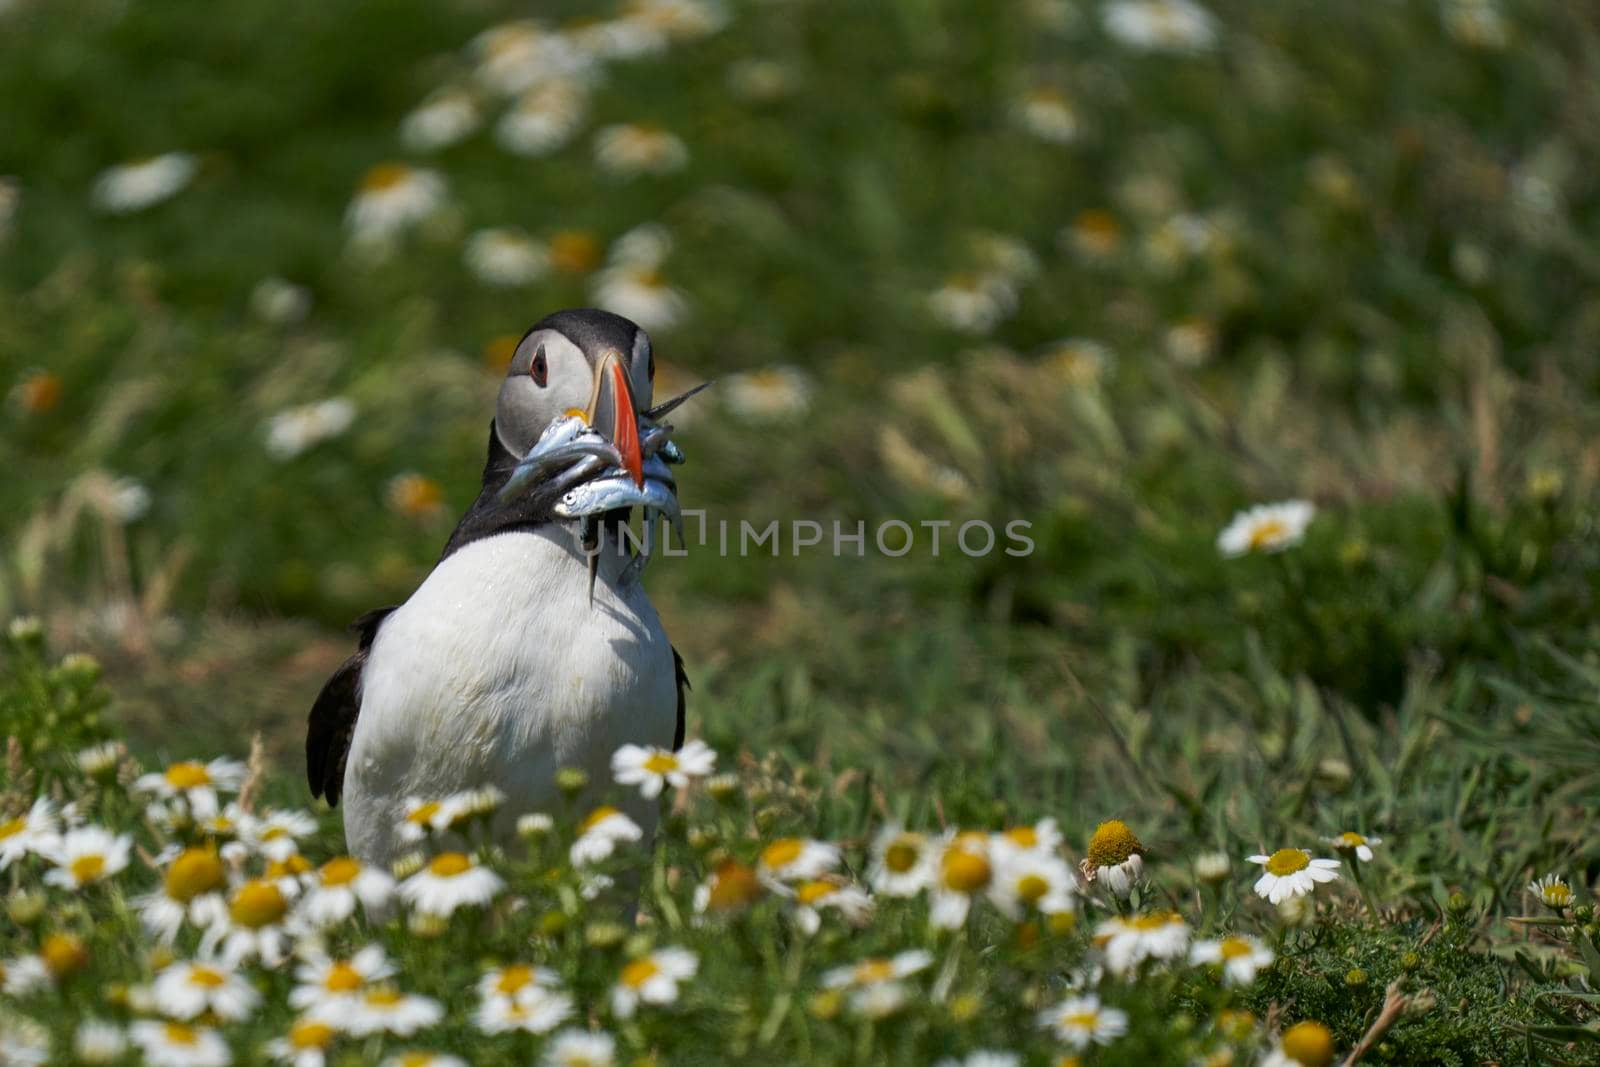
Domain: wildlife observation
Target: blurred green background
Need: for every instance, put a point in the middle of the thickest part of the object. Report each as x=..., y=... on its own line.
x=1114, y=268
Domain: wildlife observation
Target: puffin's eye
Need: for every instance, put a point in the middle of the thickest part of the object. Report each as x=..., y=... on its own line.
x=539, y=371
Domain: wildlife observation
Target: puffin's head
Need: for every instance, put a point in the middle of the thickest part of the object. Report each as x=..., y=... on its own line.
x=582, y=361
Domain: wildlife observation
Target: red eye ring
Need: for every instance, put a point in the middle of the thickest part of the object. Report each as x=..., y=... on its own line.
x=539, y=371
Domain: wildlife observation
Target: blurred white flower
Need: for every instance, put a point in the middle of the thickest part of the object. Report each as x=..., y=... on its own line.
x=653, y=769
x=426, y=817
x=1212, y=866
x=192, y=886
x=305, y=1045
x=877, y=970
x=640, y=293
x=1291, y=872
x=22, y=976
x=617, y=38
x=652, y=979
x=258, y=925
x=35, y=831
x=580, y=1048
x=418, y=1058
x=136, y=185
x=451, y=880
x=1553, y=891
x=187, y=988
x=445, y=118
x=1032, y=880
x=516, y=56
x=280, y=302
x=984, y=1058
x=321, y=980
x=792, y=859
x=85, y=856
x=973, y=302
x=543, y=119
x=599, y=834
x=337, y=887
x=760, y=81
x=1240, y=957
x=1046, y=113
x=1159, y=935
x=1079, y=361
x=506, y=257
x=180, y=1045
x=902, y=862
x=96, y=1042
x=385, y=1010
x=813, y=897
x=392, y=198
x=1266, y=528
x=1360, y=844
x=630, y=149
x=1475, y=23
x=534, y=1011
x=96, y=761
x=1082, y=1021
x=963, y=872
x=1161, y=25
x=1191, y=342
x=678, y=20
x=772, y=394
x=292, y=432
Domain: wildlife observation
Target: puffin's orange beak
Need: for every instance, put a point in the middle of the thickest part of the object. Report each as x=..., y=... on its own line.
x=611, y=411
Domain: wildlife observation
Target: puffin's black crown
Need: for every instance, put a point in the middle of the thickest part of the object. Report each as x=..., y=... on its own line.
x=591, y=329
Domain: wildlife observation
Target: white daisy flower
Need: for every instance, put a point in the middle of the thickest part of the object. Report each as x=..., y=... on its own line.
x=1475, y=23
x=647, y=245
x=305, y=1045
x=1552, y=891
x=813, y=897
x=1212, y=867
x=1350, y=841
x=1266, y=528
x=544, y=119
x=877, y=970
x=143, y=183
x=903, y=863
x=1046, y=113
x=99, y=761
x=426, y=817
x=640, y=293
x=599, y=833
x=1305, y=1044
x=192, y=888
x=1115, y=858
x=880, y=1000
x=1191, y=342
x=339, y=884
x=1094, y=234
x=1042, y=836
x=280, y=302
x=179, y=1045
x=381, y=1010
x=37, y=831
x=794, y=859
x=963, y=872
x=973, y=303
x=653, y=769
x=534, y=1011
x=1031, y=880
x=1079, y=361
x=322, y=980
x=731, y=887
x=1160, y=935
x=392, y=198
x=617, y=38
x=86, y=856
x=630, y=149
x=124, y=500
x=297, y=429
x=780, y=393
x=276, y=835
x=578, y=1048
x=96, y=1042
x=1082, y=1021
x=506, y=257
x=1161, y=25
x=445, y=118
x=984, y=1058
x=516, y=980
x=678, y=20
x=1240, y=956
x=257, y=926
x=450, y=880
x=535, y=824
x=24, y=975
x=1291, y=872
x=23, y=1043
x=186, y=988
x=196, y=784
x=516, y=56
x=419, y=1058
x=652, y=979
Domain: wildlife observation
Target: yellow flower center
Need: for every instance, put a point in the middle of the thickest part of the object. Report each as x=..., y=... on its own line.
x=308, y=1033
x=449, y=865
x=415, y=495
x=188, y=775
x=1267, y=532
x=871, y=971
x=424, y=813
x=12, y=828
x=295, y=864
x=661, y=762
x=40, y=393
x=733, y=886
x=1112, y=843
x=903, y=853
x=964, y=872
x=87, y=868
x=596, y=817
x=1023, y=836
x=1234, y=947
x=179, y=1034
x=342, y=978
x=385, y=176
x=1286, y=861
x=574, y=252
x=514, y=978
x=416, y=1059
x=383, y=998
x=1235, y=1024
x=1309, y=1044
x=257, y=904
x=1030, y=887
x=1155, y=920
x=64, y=955
x=639, y=972
x=1351, y=839
x=340, y=871
x=811, y=892
x=1557, y=894
x=782, y=852
x=1083, y=1020
x=207, y=978
x=1098, y=228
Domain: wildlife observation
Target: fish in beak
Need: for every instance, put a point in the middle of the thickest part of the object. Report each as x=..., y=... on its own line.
x=612, y=413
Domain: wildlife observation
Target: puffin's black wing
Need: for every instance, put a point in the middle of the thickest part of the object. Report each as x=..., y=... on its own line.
x=683, y=699
x=333, y=716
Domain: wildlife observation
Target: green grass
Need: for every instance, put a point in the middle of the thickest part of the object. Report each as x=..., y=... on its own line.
x=1397, y=294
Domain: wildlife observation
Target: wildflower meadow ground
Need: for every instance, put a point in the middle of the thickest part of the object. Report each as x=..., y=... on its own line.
x=1272, y=324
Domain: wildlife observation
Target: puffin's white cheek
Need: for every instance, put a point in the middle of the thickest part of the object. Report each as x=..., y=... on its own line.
x=521, y=414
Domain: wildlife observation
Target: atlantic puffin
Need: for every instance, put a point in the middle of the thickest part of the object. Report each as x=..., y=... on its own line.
x=531, y=646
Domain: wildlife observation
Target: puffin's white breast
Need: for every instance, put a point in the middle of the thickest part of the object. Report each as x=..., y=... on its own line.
x=498, y=671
